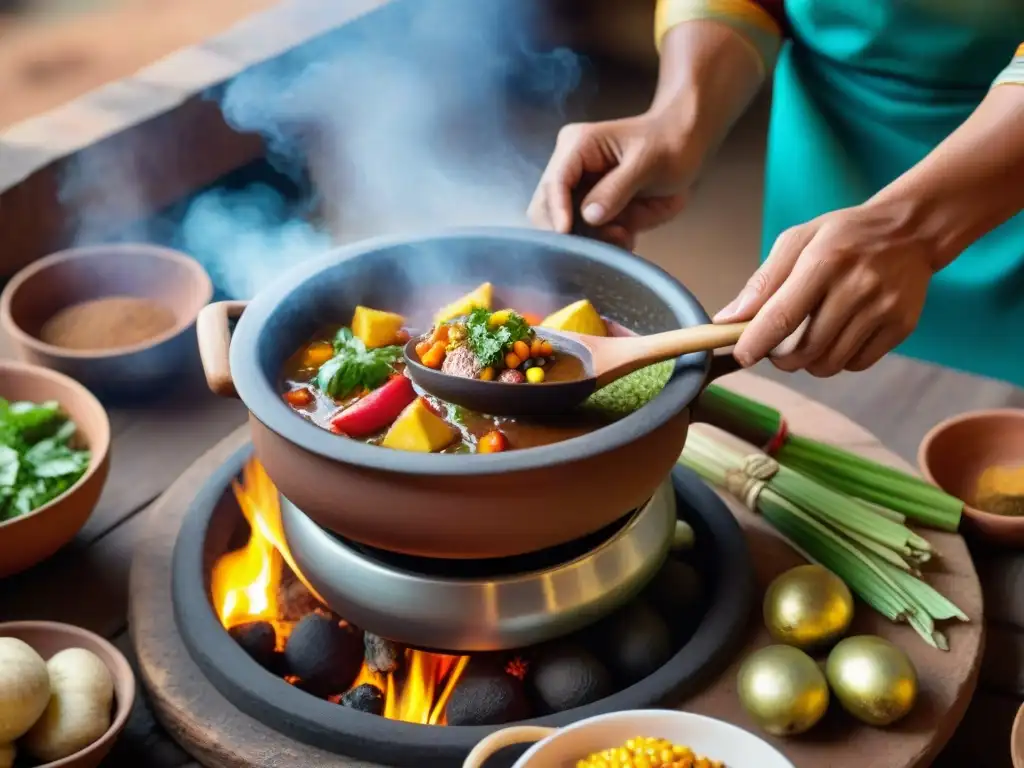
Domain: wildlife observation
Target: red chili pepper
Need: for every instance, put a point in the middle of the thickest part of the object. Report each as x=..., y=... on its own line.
x=377, y=410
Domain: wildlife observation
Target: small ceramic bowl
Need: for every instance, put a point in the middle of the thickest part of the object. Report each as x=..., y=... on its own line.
x=70, y=277
x=29, y=539
x=49, y=638
x=706, y=736
x=955, y=453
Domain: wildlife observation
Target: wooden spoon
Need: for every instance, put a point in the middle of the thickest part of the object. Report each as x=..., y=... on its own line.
x=604, y=358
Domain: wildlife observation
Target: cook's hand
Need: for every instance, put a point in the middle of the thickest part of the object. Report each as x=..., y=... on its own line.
x=645, y=165
x=859, y=274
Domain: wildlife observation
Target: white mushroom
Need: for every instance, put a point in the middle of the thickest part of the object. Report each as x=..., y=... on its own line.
x=82, y=692
x=7, y=753
x=24, y=688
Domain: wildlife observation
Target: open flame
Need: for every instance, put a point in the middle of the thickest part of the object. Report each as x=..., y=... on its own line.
x=245, y=582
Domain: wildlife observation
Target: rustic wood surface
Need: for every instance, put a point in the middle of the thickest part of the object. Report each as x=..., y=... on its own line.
x=221, y=737
x=87, y=583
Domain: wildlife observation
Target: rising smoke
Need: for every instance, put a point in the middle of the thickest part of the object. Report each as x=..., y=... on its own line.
x=402, y=121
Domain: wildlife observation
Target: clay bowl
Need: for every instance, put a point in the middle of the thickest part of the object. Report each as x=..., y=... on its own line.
x=457, y=506
x=49, y=638
x=955, y=453
x=31, y=538
x=69, y=277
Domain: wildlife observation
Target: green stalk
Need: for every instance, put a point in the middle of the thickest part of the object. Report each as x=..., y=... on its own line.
x=759, y=416
x=926, y=513
x=934, y=602
x=883, y=552
x=840, y=509
x=870, y=551
x=838, y=468
x=823, y=551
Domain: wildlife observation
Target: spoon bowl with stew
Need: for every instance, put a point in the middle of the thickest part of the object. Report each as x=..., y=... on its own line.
x=603, y=360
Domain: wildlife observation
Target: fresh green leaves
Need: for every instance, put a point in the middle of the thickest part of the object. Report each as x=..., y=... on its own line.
x=354, y=366
x=490, y=344
x=37, y=462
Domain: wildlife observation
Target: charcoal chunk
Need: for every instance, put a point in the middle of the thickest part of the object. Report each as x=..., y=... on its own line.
x=487, y=695
x=324, y=656
x=381, y=654
x=566, y=675
x=294, y=600
x=634, y=642
x=366, y=698
x=258, y=639
x=676, y=593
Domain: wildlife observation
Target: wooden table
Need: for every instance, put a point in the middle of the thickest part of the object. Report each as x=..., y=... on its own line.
x=86, y=584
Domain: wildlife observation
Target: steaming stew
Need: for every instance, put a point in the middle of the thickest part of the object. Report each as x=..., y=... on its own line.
x=351, y=379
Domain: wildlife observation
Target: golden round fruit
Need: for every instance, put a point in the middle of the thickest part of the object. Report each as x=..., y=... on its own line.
x=873, y=679
x=808, y=607
x=783, y=690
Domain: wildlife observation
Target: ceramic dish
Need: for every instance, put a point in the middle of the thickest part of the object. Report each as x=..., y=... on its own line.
x=562, y=748
x=49, y=638
x=955, y=453
x=63, y=279
x=28, y=539
x=458, y=506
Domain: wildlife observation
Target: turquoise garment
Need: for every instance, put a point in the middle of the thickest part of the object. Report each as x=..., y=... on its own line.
x=863, y=91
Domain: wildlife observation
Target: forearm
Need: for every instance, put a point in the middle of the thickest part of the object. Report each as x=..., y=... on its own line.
x=972, y=182
x=715, y=56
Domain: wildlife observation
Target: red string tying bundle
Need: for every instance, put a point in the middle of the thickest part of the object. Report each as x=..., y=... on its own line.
x=778, y=439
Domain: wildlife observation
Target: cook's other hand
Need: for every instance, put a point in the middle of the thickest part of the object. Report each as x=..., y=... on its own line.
x=644, y=165
x=859, y=275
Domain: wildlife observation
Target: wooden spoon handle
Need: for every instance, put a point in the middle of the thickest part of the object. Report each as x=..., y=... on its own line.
x=699, y=338
x=620, y=356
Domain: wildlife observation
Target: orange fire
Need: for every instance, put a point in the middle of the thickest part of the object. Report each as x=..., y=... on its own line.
x=245, y=581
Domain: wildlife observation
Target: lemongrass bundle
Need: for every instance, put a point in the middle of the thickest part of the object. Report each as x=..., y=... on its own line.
x=833, y=467
x=875, y=553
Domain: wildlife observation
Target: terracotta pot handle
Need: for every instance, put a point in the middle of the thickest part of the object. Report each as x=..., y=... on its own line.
x=214, y=337
x=506, y=737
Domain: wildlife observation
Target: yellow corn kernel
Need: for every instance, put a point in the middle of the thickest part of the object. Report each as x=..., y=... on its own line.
x=535, y=375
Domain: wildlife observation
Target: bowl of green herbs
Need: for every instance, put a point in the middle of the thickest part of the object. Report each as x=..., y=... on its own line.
x=54, y=458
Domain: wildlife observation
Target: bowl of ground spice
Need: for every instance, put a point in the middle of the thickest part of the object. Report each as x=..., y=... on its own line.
x=979, y=458
x=118, y=318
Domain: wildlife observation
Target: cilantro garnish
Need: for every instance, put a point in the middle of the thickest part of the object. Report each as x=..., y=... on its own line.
x=490, y=344
x=354, y=366
x=37, y=463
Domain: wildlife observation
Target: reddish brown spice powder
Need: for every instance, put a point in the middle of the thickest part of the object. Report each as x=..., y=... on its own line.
x=114, y=321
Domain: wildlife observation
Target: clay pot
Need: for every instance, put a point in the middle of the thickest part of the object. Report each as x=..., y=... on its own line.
x=48, y=638
x=457, y=506
x=955, y=452
x=69, y=277
x=29, y=539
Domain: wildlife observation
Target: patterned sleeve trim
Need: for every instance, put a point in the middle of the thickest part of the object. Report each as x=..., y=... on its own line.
x=754, y=23
x=1014, y=73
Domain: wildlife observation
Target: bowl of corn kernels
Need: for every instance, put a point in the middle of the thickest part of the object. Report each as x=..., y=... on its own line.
x=642, y=738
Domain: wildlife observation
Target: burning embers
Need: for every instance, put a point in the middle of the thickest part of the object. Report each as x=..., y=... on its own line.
x=280, y=622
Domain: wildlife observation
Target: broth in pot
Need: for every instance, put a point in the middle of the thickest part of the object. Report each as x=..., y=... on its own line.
x=351, y=379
